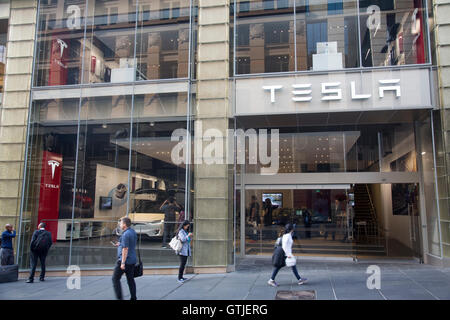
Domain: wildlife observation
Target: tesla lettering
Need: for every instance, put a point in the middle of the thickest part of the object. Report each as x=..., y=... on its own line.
x=332, y=91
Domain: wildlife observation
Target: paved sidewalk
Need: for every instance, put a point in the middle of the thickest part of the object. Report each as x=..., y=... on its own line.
x=329, y=280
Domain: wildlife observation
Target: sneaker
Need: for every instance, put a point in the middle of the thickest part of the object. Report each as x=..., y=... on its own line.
x=185, y=279
x=181, y=280
x=272, y=283
x=41, y=279
x=29, y=281
x=302, y=281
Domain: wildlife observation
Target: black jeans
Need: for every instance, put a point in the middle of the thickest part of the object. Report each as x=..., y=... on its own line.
x=276, y=269
x=168, y=232
x=7, y=256
x=117, y=275
x=34, y=260
x=183, y=260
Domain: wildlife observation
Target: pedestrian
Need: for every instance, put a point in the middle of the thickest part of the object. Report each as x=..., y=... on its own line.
x=7, y=251
x=169, y=207
x=255, y=218
x=268, y=209
x=126, y=259
x=41, y=241
x=185, y=237
x=286, y=242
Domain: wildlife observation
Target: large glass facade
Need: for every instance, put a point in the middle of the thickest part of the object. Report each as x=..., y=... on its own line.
x=97, y=151
x=304, y=35
x=350, y=190
x=99, y=41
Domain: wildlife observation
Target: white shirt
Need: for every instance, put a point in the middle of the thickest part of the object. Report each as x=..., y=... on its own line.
x=286, y=243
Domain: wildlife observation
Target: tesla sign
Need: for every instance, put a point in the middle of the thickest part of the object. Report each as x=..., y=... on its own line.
x=332, y=91
x=312, y=93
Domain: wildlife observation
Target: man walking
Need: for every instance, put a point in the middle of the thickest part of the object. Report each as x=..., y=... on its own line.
x=126, y=259
x=7, y=251
x=41, y=242
x=169, y=207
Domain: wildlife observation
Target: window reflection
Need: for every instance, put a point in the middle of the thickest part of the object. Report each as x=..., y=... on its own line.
x=392, y=32
x=59, y=43
x=328, y=35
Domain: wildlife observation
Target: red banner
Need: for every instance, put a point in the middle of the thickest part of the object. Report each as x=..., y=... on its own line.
x=50, y=191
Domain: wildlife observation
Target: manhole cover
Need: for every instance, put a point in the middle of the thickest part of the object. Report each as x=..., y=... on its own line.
x=296, y=295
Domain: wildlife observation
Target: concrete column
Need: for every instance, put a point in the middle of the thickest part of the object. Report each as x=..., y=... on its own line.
x=442, y=37
x=213, y=184
x=15, y=104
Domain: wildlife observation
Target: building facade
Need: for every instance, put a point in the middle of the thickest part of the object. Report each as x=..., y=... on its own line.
x=252, y=114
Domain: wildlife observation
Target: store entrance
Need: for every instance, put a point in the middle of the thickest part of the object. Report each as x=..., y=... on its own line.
x=346, y=220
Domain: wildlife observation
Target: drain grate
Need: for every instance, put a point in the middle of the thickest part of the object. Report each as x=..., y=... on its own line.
x=295, y=295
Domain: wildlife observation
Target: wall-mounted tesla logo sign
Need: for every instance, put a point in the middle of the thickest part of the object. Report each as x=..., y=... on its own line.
x=332, y=91
x=62, y=47
x=53, y=164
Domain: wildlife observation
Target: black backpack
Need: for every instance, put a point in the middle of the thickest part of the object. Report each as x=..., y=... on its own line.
x=42, y=242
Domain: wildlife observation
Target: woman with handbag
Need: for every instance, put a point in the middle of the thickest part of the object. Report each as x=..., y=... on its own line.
x=290, y=261
x=185, y=251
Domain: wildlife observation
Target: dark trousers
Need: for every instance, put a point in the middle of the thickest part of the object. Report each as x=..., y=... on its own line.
x=276, y=269
x=117, y=275
x=34, y=260
x=168, y=232
x=7, y=256
x=183, y=260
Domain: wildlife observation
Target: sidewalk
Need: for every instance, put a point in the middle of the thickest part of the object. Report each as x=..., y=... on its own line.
x=329, y=280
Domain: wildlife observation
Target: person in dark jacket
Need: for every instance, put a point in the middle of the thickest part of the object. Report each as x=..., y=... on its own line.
x=7, y=251
x=38, y=251
x=169, y=207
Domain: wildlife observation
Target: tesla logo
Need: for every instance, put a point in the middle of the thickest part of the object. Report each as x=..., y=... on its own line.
x=62, y=46
x=53, y=164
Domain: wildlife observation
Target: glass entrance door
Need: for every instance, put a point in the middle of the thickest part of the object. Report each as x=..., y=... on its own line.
x=358, y=221
x=322, y=217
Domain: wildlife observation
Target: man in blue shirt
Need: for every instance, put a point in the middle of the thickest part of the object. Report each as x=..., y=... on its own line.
x=126, y=259
x=7, y=251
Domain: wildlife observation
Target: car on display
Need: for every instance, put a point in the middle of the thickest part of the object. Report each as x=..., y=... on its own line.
x=148, y=220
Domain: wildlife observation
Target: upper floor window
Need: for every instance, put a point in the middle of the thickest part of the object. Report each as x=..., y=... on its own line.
x=95, y=41
x=330, y=34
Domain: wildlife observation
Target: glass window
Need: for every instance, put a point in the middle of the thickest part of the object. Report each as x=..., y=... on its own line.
x=109, y=55
x=101, y=194
x=50, y=180
x=59, y=43
x=327, y=35
x=162, y=48
x=392, y=32
x=155, y=180
x=3, y=40
x=398, y=148
x=265, y=36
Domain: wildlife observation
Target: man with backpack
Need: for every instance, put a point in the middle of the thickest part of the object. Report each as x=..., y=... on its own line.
x=39, y=246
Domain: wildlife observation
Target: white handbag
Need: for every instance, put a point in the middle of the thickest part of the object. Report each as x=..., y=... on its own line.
x=290, y=262
x=176, y=244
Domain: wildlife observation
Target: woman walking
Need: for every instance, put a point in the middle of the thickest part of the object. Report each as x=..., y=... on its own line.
x=185, y=251
x=286, y=243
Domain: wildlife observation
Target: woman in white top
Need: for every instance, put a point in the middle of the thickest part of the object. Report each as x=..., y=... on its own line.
x=287, y=247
